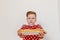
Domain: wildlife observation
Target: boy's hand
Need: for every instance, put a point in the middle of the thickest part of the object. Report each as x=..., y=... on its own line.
x=41, y=35
x=20, y=35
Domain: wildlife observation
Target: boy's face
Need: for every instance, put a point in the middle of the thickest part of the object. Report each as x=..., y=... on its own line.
x=31, y=19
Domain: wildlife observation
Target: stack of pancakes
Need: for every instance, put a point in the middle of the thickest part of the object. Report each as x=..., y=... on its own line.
x=31, y=31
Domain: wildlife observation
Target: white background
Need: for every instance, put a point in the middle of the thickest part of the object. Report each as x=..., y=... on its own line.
x=13, y=12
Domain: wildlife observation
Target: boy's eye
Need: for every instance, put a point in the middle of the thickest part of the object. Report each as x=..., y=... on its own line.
x=33, y=18
x=29, y=18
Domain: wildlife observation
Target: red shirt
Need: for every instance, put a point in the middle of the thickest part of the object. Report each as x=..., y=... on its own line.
x=31, y=37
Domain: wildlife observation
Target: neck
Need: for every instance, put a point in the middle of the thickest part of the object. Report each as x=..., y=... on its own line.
x=31, y=24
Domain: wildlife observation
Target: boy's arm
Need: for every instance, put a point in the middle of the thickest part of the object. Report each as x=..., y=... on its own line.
x=39, y=26
x=42, y=33
x=18, y=32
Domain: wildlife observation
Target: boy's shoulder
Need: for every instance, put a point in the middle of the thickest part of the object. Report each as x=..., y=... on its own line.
x=39, y=26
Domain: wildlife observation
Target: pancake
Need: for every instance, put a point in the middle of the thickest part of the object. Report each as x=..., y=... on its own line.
x=30, y=31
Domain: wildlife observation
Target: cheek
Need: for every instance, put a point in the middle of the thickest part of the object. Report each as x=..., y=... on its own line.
x=34, y=20
x=28, y=20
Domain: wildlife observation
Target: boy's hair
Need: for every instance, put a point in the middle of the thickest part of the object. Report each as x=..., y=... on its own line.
x=30, y=12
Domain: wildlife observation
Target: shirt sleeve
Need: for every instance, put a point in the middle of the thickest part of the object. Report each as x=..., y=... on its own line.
x=39, y=26
x=23, y=27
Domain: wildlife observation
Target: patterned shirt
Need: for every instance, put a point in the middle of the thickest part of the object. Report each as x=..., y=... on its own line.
x=31, y=37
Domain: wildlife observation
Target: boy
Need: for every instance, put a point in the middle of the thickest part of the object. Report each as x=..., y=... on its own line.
x=31, y=19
